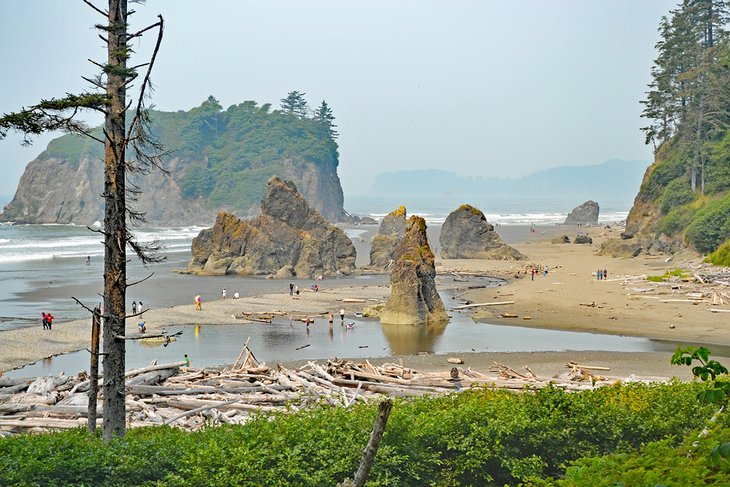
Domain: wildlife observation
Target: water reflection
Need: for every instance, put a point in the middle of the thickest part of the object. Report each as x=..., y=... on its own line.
x=409, y=340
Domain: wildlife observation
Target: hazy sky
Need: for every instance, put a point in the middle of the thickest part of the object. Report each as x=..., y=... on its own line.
x=483, y=88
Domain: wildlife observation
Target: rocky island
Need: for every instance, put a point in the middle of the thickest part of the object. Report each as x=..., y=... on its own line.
x=219, y=160
x=466, y=234
x=288, y=239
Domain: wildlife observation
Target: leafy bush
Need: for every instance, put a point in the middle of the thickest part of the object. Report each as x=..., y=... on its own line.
x=721, y=256
x=477, y=437
x=710, y=226
x=656, y=463
x=677, y=193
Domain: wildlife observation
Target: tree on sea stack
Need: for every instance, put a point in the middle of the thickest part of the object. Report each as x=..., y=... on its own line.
x=109, y=97
x=413, y=299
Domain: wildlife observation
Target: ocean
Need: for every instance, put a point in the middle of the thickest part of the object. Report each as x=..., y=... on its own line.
x=43, y=266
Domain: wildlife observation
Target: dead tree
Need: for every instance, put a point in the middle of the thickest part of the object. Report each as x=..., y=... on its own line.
x=111, y=87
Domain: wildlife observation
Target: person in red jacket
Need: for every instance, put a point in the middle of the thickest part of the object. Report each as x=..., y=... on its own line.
x=49, y=320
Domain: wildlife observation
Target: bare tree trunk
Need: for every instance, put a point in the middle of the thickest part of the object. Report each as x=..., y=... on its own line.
x=115, y=234
x=368, y=456
x=94, y=370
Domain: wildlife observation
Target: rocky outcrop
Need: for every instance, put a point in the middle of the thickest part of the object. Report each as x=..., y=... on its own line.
x=391, y=230
x=585, y=214
x=466, y=234
x=288, y=239
x=413, y=297
x=583, y=239
x=210, y=170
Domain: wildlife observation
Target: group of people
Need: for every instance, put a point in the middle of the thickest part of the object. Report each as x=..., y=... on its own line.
x=47, y=320
x=137, y=307
x=601, y=274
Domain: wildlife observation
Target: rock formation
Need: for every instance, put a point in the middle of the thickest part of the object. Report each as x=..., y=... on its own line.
x=391, y=230
x=288, y=239
x=466, y=234
x=213, y=170
x=583, y=239
x=585, y=214
x=413, y=297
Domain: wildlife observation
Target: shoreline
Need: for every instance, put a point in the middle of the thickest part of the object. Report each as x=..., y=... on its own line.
x=552, y=302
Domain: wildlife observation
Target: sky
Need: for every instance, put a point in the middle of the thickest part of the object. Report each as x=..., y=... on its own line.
x=478, y=87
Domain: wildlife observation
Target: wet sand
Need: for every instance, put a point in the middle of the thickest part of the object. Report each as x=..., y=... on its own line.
x=551, y=302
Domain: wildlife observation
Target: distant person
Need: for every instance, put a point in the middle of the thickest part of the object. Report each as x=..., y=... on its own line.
x=331, y=319
x=142, y=326
x=198, y=303
x=236, y=295
x=134, y=307
x=223, y=294
x=49, y=320
x=140, y=306
x=296, y=290
x=291, y=289
x=342, y=315
x=44, y=320
x=605, y=274
x=88, y=260
x=187, y=360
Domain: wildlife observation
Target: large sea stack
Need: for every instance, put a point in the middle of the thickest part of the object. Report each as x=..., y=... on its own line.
x=391, y=230
x=219, y=160
x=288, y=239
x=585, y=214
x=466, y=234
x=413, y=296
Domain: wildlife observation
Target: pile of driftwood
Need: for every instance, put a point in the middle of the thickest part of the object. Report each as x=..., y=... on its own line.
x=190, y=398
x=698, y=289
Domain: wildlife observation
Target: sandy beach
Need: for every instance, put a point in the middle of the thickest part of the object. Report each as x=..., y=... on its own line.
x=568, y=298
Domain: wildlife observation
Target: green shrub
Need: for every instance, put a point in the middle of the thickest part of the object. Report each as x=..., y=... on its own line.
x=477, y=437
x=710, y=226
x=721, y=256
x=677, y=193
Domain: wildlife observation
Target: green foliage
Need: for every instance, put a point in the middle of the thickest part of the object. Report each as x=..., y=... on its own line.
x=72, y=148
x=710, y=226
x=477, y=437
x=673, y=273
x=663, y=462
x=677, y=193
x=721, y=256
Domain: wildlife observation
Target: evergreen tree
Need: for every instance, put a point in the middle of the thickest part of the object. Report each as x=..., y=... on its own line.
x=113, y=84
x=324, y=119
x=689, y=95
x=295, y=104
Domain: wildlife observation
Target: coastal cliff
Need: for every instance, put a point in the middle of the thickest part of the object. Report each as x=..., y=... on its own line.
x=219, y=160
x=289, y=239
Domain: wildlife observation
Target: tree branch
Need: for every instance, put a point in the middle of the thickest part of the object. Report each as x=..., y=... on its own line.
x=105, y=14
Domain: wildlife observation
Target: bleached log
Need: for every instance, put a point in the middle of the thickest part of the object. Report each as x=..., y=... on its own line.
x=152, y=377
x=475, y=305
x=715, y=310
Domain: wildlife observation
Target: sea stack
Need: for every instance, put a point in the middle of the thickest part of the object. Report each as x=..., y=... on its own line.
x=413, y=296
x=288, y=239
x=585, y=214
x=390, y=232
x=466, y=234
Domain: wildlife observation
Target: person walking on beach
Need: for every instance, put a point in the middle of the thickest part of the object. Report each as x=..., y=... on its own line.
x=140, y=306
x=49, y=320
x=342, y=315
x=45, y=321
x=223, y=294
x=198, y=303
x=134, y=307
x=331, y=319
x=291, y=289
x=605, y=274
